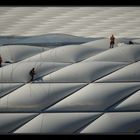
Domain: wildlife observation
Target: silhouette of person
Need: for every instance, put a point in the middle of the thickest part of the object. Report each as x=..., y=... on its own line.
x=130, y=42
x=0, y=61
x=112, y=41
x=32, y=73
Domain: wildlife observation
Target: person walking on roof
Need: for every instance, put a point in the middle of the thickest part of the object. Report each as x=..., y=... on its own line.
x=0, y=61
x=112, y=41
x=130, y=42
x=32, y=74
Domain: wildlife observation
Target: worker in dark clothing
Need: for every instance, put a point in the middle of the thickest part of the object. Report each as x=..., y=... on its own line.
x=0, y=61
x=130, y=42
x=112, y=41
x=32, y=73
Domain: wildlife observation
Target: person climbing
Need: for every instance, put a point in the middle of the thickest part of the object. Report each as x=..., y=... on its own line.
x=112, y=41
x=0, y=61
x=32, y=73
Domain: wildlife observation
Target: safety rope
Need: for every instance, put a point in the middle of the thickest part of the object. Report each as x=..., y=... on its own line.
x=9, y=50
x=37, y=67
x=14, y=60
x=6, y=80
x=41, y=122
x=30, y=90
x=1, y=78
x=41, y=60
x=1, y=92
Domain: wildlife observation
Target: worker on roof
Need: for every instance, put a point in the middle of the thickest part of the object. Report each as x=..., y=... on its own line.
x=0, y=61
x=32, y=74
x=112, y=41
x=130, y=42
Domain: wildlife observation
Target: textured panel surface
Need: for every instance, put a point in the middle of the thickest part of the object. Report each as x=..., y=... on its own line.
x=122, y=123
x=81, y=85
x=58, y=123
x=79, y=21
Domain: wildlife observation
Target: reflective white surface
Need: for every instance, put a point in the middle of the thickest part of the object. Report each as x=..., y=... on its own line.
x=81, y=85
